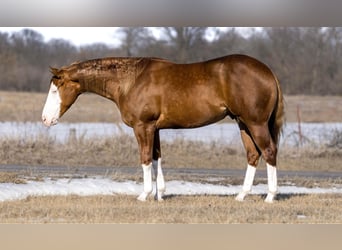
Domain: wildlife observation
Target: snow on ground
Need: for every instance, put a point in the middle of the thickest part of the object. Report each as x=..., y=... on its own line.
x=104, y=186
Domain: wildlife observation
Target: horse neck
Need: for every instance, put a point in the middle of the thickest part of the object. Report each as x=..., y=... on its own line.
x=100, y=86
x=110, y=79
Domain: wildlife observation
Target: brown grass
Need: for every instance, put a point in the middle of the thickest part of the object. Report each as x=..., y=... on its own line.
x=11, y=178
x=314, y=108
x=175, y=209
x=310, y=159
x=122, y=151
x=27, y=107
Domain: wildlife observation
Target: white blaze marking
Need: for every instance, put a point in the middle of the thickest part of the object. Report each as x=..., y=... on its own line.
x=52, y=106
x=158, y=172
x=272, y=183
x=147, y=169
x=247, y=184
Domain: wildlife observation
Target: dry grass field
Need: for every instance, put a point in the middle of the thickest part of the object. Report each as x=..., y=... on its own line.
x=27, y=107
x=122, y=151
x=176, y=209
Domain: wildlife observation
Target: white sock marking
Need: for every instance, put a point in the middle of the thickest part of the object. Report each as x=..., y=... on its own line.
x=158, y=172
x=248, y=182
x=147, y=169
x=272, y=183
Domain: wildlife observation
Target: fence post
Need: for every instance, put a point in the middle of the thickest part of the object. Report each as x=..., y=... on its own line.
x=72, y=135
x=299, y=126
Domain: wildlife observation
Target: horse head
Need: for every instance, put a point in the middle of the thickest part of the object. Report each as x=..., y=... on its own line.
x=63, y=92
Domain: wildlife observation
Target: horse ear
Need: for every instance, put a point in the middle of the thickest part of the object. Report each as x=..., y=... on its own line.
x=54, y=71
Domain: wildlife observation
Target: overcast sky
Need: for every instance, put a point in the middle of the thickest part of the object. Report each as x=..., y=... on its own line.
x=76, y=35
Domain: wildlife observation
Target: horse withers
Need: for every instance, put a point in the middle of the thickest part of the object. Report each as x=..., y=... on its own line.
x=154, y=94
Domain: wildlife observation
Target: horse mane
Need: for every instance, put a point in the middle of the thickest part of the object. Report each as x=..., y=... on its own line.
x=124, y=69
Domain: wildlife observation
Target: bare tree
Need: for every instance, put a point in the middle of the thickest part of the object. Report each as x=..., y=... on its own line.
x=226, y=42
x=186, y=41
x=134, y=39
x=306, y=60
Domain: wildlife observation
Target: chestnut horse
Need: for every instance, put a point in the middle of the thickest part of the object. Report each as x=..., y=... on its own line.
x=154, y=94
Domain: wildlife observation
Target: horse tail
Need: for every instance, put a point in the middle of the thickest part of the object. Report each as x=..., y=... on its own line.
x=276, y=121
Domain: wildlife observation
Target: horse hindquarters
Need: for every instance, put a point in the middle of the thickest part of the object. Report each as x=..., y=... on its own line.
x=260, y=129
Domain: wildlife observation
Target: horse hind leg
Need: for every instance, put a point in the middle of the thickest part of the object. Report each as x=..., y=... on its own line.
x=253, y=155
x=268, y=148
x=157, y=169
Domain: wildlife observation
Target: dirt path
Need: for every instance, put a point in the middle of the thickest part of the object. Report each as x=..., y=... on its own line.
x=108, y=171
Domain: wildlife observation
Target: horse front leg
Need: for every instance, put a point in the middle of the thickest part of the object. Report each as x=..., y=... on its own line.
x=158, y=172
x=145, y=135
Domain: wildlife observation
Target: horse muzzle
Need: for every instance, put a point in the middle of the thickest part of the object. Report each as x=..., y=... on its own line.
x=49, y=121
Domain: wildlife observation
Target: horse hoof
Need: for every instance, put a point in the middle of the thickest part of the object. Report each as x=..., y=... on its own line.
x=268, y=201
x=142, y=197
x=269, y=198
x=159, y=195
x=240, y=197
x=237, y=198
x=158, y=199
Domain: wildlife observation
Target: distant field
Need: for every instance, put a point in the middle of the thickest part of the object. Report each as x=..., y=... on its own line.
x=23, y=106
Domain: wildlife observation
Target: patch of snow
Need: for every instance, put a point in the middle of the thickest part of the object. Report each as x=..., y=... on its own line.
x=104, y=186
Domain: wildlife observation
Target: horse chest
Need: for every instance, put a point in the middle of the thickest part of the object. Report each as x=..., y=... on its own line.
x=139, y=109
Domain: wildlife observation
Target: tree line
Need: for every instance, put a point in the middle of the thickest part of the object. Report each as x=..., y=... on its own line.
x=306, y=60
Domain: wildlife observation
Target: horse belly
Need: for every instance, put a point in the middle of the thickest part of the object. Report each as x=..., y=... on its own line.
x=191, y=116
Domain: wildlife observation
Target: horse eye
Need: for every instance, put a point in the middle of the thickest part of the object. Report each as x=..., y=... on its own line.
x=54, y=91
